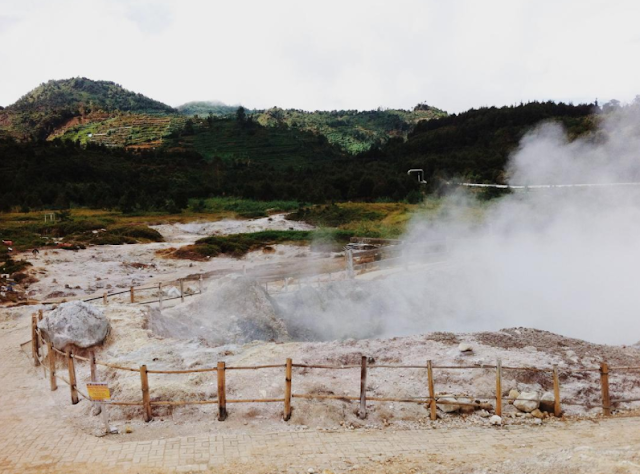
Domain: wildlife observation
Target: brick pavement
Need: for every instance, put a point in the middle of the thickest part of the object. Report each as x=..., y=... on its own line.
x=34, y=437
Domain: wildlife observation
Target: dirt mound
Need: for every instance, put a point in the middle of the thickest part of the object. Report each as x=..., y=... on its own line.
x=233, y=310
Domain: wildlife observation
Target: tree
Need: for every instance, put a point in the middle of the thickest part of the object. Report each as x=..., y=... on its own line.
x=241, y=116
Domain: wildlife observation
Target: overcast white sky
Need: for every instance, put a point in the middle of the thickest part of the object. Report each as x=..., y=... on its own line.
x=326, y=54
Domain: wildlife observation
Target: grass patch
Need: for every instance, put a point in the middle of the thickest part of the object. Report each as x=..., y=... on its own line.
x=242, y=207
x=238, y=245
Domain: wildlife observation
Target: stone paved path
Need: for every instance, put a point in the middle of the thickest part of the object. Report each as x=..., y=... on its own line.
x=34, y=437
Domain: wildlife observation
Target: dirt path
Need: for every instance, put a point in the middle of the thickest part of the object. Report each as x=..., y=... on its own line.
x=36, y=436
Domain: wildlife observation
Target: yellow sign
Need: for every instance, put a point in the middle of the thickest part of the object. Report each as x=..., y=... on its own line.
x=98, y=391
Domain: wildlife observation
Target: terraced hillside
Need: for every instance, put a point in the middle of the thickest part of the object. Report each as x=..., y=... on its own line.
x=128, y=130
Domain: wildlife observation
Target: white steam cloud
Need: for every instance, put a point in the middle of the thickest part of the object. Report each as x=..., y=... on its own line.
x=565, y=260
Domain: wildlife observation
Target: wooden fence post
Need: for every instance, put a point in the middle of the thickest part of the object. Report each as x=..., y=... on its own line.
x=181, y=290
x=72, y=378
x=556, y=392
x=287, y=390
x=40, y=314
x=362, y=414
x=222, y=397
x=146, y=399
x=604, y=383
x=105, y=300
x=34, y=340
x=52, y=366
x=499, y=387
x=432, y=391
x=133, y=295
x=94, y=375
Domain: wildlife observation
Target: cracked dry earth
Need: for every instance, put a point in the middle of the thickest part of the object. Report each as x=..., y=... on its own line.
x=36, y=435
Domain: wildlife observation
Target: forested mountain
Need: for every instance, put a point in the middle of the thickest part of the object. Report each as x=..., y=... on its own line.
x=55, y=104
x=476, y=144
x=108, y=147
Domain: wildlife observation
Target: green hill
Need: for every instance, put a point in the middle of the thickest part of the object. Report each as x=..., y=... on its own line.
x=352, y=130
x=51, y=105
x=477, y=143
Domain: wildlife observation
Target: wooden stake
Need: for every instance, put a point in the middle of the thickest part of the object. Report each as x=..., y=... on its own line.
x=604, y=383
x=40, y=315
x=287, y=390
x=34, y=340
x=182, y=291
x=362, y=414
x=146, y=399
x=432, y=392
x=222, y=397
x=499, y=387
x=52, y=367
x=133, y=295
x=160, y=295
x=556, y=392
x=105, y=299
x=94, y=374
x=72, y=378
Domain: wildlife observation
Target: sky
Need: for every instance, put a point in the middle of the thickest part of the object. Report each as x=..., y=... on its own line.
x=325, y=55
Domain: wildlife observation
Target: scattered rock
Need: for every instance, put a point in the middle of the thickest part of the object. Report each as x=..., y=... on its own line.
x=537, y=414
x=547, y=401
x=484, y=413
x=495, y=420
x=465, y=347
x=527, y=402
x=75, y=323
x=513, y=394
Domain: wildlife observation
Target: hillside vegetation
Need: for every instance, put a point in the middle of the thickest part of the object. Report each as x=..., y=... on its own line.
x=204, y=108
x=351, y=130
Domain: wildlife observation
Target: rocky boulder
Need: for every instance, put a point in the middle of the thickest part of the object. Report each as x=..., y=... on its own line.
x=76, y=324
x=527, y=402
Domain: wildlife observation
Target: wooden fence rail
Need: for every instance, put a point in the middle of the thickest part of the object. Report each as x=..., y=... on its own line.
x=48, y=362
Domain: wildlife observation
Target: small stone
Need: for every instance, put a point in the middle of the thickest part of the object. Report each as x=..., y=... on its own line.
x=513, y=394
x=484, y=413
x=495, y=420
x=127, y=429
x=537, y=414
x=465, y=347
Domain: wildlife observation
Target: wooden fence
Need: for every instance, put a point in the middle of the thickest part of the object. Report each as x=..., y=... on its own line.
x=47, y=360
x=134, y=292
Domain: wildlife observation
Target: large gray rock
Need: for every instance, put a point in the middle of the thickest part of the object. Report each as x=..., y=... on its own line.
x=527, y=402
x=75, y=323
